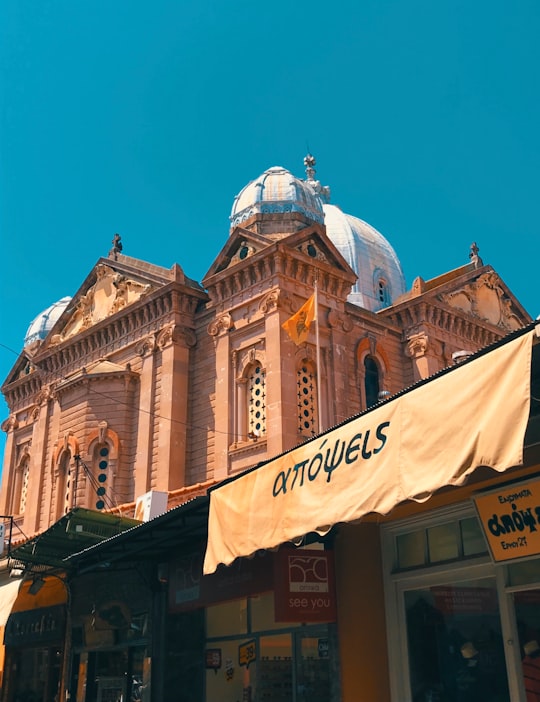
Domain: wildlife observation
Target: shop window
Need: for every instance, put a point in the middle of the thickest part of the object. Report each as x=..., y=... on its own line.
x=264, y=660
x=524, y=573
x=472, y=537
x=227, y=618
x=411, y=549
x=262, y=613
x=442, y=542
x=306, y=383
x=257, y=401
x=371, y=381
x=455, y=642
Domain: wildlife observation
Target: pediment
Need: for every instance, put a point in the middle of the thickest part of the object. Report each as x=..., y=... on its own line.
x=23, y=366
x=98, y=369
x=107, y=290
x=241, y=245
x=488, y=299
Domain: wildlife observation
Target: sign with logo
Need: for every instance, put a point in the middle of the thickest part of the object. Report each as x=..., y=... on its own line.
x=213, y=658
x=247, y=652
x=304, y=586
x=510, y=518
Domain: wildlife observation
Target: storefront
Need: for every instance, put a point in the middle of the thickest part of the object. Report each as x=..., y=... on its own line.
x=266, y=627
x=427, y=611
x=34, y=640
x=110, y=637
x=463, y=625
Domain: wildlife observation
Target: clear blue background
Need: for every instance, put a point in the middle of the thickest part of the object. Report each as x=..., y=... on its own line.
x=147, y=119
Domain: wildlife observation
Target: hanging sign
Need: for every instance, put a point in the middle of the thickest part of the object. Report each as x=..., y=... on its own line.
x=510, y=518
x=304, y=588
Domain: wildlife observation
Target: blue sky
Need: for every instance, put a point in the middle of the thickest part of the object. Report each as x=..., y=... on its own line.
x=147, y=119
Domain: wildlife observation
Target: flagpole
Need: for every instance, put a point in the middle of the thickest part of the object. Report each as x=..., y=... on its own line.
x=318, y=356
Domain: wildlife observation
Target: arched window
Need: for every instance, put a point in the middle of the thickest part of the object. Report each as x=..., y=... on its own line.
x=19, y=494
x=383, y=293
x=306, y=383
x=63, y=484
x=25, y=474
x=101, y=477
x=256, y=400
x=371, y=381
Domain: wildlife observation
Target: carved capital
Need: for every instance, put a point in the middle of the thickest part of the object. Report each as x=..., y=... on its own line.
x=271, y=301
x=337, y=320
x=221, y=325
x=146, y=346
x=417, y=345
x=10, y=424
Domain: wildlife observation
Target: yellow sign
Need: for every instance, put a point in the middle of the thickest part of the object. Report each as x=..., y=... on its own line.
x=510, y=518
x=247, y=653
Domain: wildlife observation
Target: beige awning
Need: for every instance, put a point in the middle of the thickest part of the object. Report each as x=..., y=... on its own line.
x=434, y=435
x=8, y=594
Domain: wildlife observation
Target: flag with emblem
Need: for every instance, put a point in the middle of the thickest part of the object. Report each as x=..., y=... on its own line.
x=297, y=326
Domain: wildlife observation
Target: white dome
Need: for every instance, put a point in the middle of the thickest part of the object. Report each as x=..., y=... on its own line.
x=45, y=321
x=276, y=191
x=380, y=278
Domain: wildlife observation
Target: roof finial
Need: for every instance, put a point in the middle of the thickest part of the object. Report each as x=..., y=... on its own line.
x=309, y=163
x=323, y=191
x=116, y=246
x=475, y=258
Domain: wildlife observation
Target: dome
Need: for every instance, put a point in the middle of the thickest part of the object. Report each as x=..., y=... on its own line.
x=276, y=191
x=45, y=321
x=380, y=278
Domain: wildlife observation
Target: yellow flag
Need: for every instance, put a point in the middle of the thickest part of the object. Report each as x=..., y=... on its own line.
x=297, y=326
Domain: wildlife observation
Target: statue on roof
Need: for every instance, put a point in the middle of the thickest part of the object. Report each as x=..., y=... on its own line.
x=475, y=258
x=116, y=246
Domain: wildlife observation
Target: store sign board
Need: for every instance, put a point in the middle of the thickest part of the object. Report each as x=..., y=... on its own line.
x=188, y=589
x=435, y=435
x=304, y=586
x=510, y=519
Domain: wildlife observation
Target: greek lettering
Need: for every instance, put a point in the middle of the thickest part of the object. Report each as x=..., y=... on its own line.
x=280, y=483
x=365, y=453
x=330, y=466
x=517, y=518
x=296, y=469
x=352, y=449
x=381, y=436
x=495, y=528
x=314, y=472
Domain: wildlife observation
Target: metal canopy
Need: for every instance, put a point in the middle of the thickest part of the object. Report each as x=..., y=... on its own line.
x=151, y=541
x=75, y=531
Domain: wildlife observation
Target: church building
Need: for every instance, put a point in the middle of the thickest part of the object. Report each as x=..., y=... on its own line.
x=148, y=384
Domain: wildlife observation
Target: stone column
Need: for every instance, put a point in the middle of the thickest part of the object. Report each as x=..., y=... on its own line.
x=224, y=394
x=38, y=488
x=145, y=422
x=175, y=343
x=8, y=476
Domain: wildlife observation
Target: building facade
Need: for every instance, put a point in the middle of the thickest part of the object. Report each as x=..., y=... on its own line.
x=146, y=381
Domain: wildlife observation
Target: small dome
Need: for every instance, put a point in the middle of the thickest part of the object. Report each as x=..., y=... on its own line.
x=45, y=321
x=380, y=278
x=276, y=191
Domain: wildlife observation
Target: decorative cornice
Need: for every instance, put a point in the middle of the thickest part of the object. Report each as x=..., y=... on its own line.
x=221, y=325
x=338, y=320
